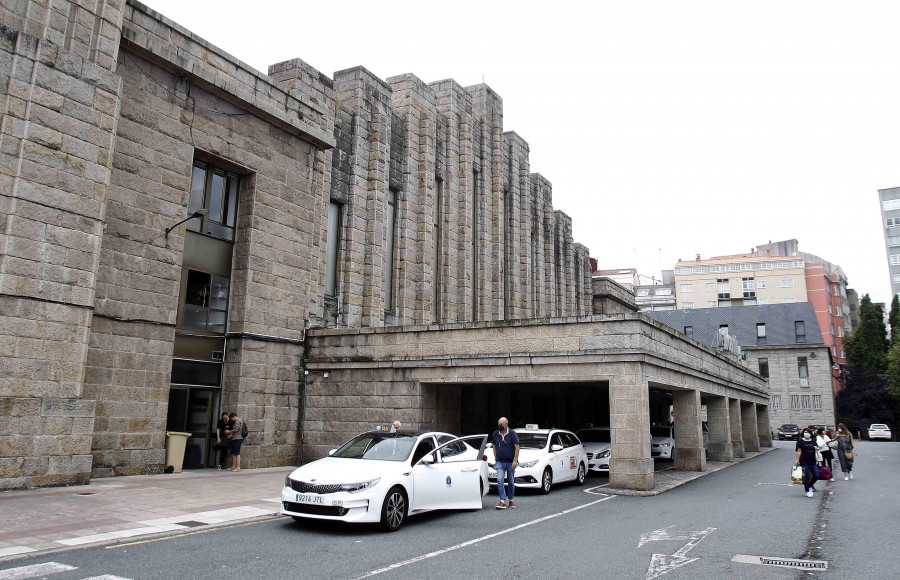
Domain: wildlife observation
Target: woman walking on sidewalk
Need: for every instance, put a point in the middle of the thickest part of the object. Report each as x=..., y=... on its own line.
x=822, y=443
x=846, y=450
x=806, y=458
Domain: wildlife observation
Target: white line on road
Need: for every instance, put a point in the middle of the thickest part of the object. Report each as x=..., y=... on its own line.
x=107, y=577
x=34, y=571
x=15, y=550
x=590, y=490
x=481, y=539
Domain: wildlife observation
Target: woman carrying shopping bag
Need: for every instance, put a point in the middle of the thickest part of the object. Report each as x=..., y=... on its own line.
x=823, y=442
x=846, y=450
x=806, y=458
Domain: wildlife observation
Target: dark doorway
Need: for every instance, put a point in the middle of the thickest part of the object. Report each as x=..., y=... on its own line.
x=566, y=406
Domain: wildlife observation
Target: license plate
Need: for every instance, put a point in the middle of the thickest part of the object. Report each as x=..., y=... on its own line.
x=492, y=474
x=309, y=498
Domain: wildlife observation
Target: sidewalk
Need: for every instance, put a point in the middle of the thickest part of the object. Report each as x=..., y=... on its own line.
x=48, y=519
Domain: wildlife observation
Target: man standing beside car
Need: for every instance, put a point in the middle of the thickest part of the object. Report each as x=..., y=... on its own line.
x=506, y=459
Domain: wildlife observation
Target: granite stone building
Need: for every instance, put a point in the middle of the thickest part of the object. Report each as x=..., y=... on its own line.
x=310, y=202
x=184, y=235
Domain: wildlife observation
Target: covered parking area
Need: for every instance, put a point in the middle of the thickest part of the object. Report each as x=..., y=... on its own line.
x=457, y=378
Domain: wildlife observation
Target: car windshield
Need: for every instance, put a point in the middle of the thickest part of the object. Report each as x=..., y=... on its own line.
x=594, y=436
x=790, y=428
x=532, y=440
x=378, y=446
x=878, y=426
x=660, y=432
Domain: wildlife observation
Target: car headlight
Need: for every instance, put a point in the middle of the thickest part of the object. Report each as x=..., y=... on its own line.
x=355, y=487
x=529, y=463
x=287, y=481
x=603, y=454
x=665, y=444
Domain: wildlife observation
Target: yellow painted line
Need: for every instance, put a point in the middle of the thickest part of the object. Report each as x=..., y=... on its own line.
x=189, y=534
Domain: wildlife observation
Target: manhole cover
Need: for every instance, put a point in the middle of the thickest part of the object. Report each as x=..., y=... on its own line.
x=782, y=562
x=191, y=524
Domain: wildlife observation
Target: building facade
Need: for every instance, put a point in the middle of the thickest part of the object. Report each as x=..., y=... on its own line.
x=739, y=280
x=783, y=342
x=176, y=222
x=889, y=201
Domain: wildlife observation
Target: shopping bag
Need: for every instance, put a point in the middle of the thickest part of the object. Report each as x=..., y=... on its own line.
x=797, y=474
x=825, y=472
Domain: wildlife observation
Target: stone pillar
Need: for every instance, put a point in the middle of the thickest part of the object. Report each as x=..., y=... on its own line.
x=762, y=425
x=718, y=419
x=748, y=424
x=689, y=454
x=737, y=433
x=629, y=419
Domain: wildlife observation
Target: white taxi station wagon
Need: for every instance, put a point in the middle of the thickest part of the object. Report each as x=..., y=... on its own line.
x=546, y=457
x=382, y=477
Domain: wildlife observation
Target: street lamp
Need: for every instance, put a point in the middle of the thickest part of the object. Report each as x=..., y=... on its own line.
x=196, y=214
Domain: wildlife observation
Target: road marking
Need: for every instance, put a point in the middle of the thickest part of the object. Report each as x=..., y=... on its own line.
x=481, y=539
x=781, y=562
x=34, y=571
x=107, y=577
x=664, y=563
x=590, y=490
x=779, y=484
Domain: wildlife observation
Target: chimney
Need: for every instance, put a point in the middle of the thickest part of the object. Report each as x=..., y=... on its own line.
x=768, y=253
x=698, y=257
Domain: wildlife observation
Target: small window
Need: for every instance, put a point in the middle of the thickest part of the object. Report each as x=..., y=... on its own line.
x=711, y=304
x=761, y=333
x=686, y=288
x=710, y=286
x=663, y=292
x=805, y=402
x=817, y=402
x=788, y=300
x=764, y=367
x=643, y=292
x=724, y=303
x=787, y=283
x=894, y=240
x=205, y=302
x=760, y=283
x=750, y=302
x=795, y=402
x=895, y=259
x=687, y=305
x=803, y=371
x=689, y=331
x=776, y=402
x=800, y=331
x=215, y=190
x=762, y=300
x=332, y=248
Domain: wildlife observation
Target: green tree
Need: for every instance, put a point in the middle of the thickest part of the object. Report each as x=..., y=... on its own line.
x=867, y=346
x=892, y=374
x=894, y=320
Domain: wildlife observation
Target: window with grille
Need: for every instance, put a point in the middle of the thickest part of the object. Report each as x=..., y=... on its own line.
x=760, y=283
x=687, y=305
x=776, y=402
x=787, y=282
x=805, y=402
x=795, y=402
x=686, y=288
x=817, y=402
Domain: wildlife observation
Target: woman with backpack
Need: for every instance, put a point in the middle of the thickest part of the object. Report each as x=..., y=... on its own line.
x=846, y=450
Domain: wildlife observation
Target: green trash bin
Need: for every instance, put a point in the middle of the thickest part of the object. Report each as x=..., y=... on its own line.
x=175, y=444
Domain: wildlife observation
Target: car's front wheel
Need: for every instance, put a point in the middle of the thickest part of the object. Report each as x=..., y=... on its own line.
x=579, y=479
x=546, y=481
x=393, y=510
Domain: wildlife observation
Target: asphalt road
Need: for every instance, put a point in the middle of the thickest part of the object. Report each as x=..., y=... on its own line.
x=575, y=532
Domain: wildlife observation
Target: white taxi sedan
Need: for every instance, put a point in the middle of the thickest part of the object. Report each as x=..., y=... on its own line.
x=662, y=442
x=597, y=443
x=384, y=477
x=546, y=456
x=879, y=431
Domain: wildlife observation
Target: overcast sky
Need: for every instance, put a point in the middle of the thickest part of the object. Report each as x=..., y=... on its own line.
x=668, y=128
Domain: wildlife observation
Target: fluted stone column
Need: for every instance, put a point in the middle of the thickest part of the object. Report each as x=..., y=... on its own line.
x=719, y=423
x=748, y=424
x=737, y=432
x=629, y=418
x=689, y=454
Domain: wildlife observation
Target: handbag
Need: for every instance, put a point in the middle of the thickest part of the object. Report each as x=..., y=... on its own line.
x=848, y=455
x=797, y=474
x=825, y=472
x=818, y=456
x=833, y=444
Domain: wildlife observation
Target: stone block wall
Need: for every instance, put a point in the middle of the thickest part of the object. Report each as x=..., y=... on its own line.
x=58, y=117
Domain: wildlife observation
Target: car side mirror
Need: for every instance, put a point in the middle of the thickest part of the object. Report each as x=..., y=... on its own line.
x=428, y=459
x=556, y=448
x=330, y=453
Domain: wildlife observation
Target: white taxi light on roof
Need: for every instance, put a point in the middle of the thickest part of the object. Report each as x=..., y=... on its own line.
x=531, y=425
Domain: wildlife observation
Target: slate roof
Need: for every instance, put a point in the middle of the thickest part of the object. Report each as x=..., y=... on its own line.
x=742, y=320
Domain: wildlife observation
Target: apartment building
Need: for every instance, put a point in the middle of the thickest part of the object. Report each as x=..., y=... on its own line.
x=890, y=221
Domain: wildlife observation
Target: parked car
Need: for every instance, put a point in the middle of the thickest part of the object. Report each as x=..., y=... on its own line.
x=546, y=456
x=788, y=431
x=384, y=477
x=879, y=431
x=662, y=442
x=597, y=444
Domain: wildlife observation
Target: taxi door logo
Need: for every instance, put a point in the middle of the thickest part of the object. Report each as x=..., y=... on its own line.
x=449, y=481
x=572, y=460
